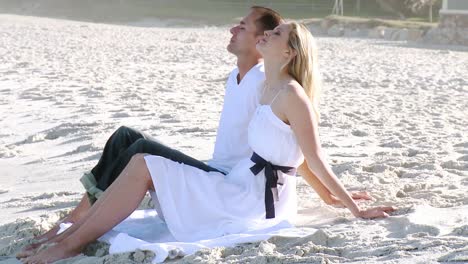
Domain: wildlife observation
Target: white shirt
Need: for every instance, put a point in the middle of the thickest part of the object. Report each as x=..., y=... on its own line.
x=240, y=101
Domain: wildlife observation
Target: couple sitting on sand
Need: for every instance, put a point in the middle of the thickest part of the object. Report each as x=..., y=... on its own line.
x=268, y=130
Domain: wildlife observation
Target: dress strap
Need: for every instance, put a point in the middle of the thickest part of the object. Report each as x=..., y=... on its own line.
x=274, y=98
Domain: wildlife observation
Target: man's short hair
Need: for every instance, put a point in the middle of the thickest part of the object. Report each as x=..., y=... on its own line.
x=268, y=20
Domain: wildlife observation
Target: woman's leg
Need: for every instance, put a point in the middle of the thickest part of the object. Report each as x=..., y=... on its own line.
x=75, y=215
x=117, y=203
x=96, y=205
x=124, y=143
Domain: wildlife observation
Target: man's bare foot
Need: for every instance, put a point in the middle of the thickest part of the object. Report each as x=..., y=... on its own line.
x=51, y=254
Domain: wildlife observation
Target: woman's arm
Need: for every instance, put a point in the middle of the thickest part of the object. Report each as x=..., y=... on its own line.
x=298, y=111
x=323, y=192
x=315, y=183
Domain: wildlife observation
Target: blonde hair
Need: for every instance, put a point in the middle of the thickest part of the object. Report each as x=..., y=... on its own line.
x=303, y=66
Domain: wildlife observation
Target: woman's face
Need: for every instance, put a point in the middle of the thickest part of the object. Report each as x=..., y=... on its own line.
x=275, y=43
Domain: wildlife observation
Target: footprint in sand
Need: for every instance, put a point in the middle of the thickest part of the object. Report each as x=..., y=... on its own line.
x=8, y=152
x=455, y=165
x=62, y=130
x=359, y=133
x=461, y=145
x=191, y=130
x=461, y=148
x=341, y=168
x=413, y=187
x=460, y=231
x=120, y=115
x=376, y=168
x=392, y=144
x=168, y=118
x=396, y=230
x=80, y=149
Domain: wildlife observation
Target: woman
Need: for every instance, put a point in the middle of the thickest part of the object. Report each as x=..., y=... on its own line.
x=259, y=191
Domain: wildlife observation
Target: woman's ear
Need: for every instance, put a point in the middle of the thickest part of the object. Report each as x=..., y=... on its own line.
x=291, y=53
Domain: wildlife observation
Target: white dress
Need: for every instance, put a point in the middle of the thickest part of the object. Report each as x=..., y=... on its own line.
x=199, y=205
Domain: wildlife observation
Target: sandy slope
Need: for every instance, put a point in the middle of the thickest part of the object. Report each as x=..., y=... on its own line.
x=394, y=118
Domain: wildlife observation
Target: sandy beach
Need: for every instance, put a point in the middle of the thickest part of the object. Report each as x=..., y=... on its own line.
x=394, y=123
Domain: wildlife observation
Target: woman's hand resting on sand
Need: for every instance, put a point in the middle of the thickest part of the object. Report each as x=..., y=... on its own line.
x=376, y=212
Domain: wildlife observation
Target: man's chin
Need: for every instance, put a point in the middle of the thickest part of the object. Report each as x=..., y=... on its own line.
x=230, y=49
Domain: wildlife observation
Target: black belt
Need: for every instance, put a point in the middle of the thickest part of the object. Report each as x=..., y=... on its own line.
x=271, y=174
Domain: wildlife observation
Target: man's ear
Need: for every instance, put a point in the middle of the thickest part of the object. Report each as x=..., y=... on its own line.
x=258, y=38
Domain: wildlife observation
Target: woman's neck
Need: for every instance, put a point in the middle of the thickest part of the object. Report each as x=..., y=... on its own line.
x=275, y=76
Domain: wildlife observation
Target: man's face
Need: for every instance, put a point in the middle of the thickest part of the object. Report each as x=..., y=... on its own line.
x=244, y=35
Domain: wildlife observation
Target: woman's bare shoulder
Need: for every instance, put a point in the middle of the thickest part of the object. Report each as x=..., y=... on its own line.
x=295, y=94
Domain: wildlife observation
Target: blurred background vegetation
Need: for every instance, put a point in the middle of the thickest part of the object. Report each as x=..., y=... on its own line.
x=217, y=11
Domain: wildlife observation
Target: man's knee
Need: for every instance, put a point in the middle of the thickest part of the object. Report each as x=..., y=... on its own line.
x=141, y=142
x=139, y=146
x=148, y=146
x=125, y=130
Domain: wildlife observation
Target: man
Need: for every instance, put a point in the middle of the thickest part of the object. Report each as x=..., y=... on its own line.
x=240, y=101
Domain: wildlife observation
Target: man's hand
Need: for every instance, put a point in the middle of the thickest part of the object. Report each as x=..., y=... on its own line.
x=357, y=196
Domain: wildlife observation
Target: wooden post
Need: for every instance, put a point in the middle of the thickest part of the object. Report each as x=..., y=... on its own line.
x=358, y=7
x=341, y=5
x=430, y=12
x=338, y=7
x=335, y=6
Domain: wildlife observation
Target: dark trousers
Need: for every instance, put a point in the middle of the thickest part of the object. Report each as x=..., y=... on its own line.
x=126, y=142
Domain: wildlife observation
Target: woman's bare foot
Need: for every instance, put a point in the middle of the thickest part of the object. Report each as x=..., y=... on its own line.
x=79, y=212
x=30, y=249
x=33, y=248
x=52, y=253
x=26, y=253
x=51, y=236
